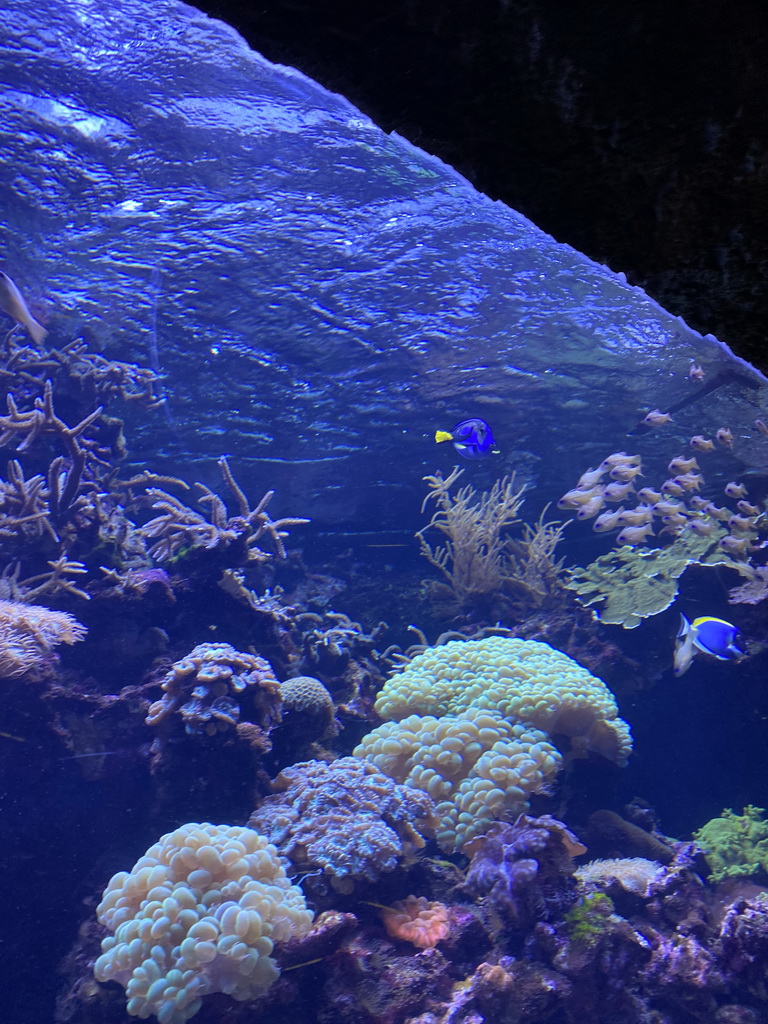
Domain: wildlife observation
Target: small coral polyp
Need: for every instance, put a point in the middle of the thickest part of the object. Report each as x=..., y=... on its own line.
x=417, y=920
x=200, y=912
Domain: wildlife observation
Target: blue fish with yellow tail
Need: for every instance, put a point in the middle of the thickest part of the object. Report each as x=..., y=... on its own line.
x=472, y=439
x=708, y=635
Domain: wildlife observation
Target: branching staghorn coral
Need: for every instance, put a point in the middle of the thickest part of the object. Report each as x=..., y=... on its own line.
x=26, y=428
x=179, y=527
x=475, y=558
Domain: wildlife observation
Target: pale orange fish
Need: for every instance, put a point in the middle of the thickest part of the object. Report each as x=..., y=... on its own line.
x=608, y=521
x=747, y=508
x=683, y=465
x=12, y=301
x=648, y=495
x=736, y=545
x=734, y=490
x=617, y=492
x=672, y=487
x=634, y=534
x=695, y=373
x=589, y=479
x=701, y=526
x=725, y=437
x=639, y=516
x=702, y=444
x=617, y=457
x=591, y=507
x=656, y=418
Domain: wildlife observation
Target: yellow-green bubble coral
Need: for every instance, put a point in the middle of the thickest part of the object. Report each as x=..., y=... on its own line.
x=522, y=680
x=200, y=912
x=476, y=766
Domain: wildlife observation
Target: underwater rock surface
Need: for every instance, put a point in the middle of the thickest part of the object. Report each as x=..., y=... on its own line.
x=321, y=295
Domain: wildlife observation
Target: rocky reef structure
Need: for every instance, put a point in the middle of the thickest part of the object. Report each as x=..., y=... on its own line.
x=345, y=819
x=28, y=635
x=525, y=870
x=200, y=912
x=206, y=687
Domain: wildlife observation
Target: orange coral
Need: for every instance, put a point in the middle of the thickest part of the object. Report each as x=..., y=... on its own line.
x=416, y=920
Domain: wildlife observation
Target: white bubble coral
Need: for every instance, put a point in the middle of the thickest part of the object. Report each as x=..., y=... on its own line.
x=522, y=680
x=198, y=913
x=476, y=767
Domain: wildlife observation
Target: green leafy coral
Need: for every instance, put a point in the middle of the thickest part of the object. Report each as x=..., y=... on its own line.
x=633, y=583
x=587, y=919
x=735, y=845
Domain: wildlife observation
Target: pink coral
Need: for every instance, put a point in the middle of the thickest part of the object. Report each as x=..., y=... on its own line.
x=417, y=920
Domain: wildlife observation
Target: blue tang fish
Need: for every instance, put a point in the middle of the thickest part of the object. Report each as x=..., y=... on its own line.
x=473, y=439
x=709, y=635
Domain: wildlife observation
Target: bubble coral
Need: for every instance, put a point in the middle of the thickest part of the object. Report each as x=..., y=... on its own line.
x=417, y=920
x=205, y=687
x=520, y=680
x=347, y=818
x=476, y=767
x=28, y=634
x=200, y=912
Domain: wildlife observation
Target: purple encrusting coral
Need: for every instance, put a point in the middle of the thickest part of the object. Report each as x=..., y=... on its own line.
x=525, y=869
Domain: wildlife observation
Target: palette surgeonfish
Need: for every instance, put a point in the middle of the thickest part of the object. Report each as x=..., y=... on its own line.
x=472, y=439
x=708, y=635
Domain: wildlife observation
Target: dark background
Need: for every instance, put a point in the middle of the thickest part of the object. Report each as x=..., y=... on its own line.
x=637, y=133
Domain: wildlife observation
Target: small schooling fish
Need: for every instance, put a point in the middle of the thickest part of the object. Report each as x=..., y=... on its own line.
x=12, y=301
x=657, y=418
x=708, y=635
x=473, y=439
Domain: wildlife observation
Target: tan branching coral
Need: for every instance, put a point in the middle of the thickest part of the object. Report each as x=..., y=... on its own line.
x=28, y=635
x=178, y=527
x=487, y=570
x=26, y=367
x=25, y=428
x=417, y=920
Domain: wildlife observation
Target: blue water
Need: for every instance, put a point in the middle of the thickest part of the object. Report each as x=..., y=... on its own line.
x=317, y=298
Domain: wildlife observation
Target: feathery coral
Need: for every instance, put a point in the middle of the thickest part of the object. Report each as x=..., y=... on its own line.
x=417, y=920
x=521, y=680
x=28, y=634
x=200, y=912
